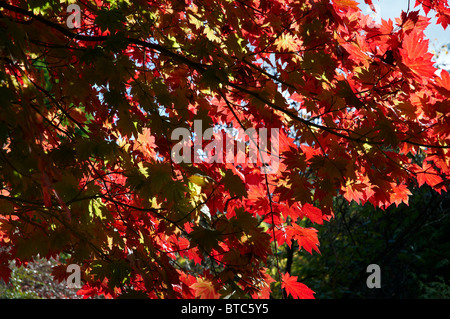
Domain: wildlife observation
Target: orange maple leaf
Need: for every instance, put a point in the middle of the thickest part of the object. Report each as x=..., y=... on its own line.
x=305, y=237
x=399, y=194
x=204, y=289
x=345, y=4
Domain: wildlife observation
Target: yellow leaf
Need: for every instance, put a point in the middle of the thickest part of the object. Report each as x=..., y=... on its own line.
x=287, y=43
x=197, y=179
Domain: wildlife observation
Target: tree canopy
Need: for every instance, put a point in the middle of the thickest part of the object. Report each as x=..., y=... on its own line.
x=281, y=106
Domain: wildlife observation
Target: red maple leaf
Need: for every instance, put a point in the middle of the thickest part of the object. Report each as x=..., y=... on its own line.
x=5, y=273
x=313, y=213
x=428, y=176
x=296, y=289
x=426, y=4
x=444, y=20
x=415, y=55
x=443, y=81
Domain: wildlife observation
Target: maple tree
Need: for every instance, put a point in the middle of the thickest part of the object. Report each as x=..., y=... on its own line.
x=88, y=113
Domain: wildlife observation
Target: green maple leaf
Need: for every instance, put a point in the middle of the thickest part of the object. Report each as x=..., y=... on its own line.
x=234, y=184
x=205, y=239
x=244, y=220
x=111, y=20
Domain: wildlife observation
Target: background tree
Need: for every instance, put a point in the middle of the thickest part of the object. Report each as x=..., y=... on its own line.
x=88, y=114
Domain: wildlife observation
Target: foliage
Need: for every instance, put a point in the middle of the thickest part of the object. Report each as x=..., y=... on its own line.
x=13, y=291
x=436, y=290
x=88, y=115
x=35, y=282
